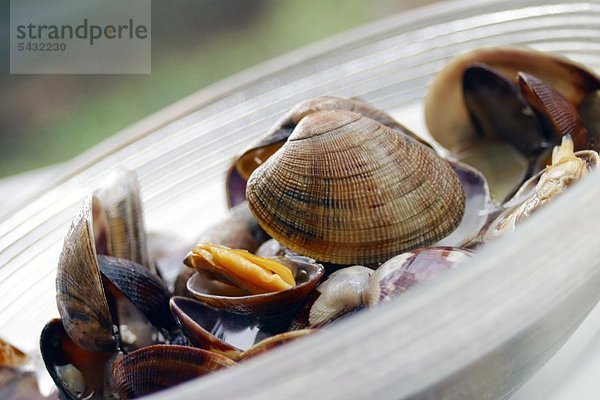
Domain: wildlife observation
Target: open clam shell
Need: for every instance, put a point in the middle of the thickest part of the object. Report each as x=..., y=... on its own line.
x=77, y=373
x=80, y=295
x=142, y=287
x=159, y=367
x=121, y=201
x=95, y=305
x=445, y=111
x=273, y=310
x=567, y=168
x=216, y=330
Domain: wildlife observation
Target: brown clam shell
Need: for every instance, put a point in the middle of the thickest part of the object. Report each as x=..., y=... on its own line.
x=273, y=310
x=121, y=201
x=80, y=296
x=562, y=115
x=142, y=287
x=260, y=151
x=445, y=112
x=77, y=373
x=347, y=190
x=159, y=367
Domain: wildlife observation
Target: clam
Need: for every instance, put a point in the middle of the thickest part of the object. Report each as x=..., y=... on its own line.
x=235, y=336
x=566, y=169
x=80, y=294
x=347, y=190
x=340, y=293
x=445, y=112
x=502, y=110
x=124, y=221
x=106, y=302
x=77, y=373
x=216, y=330
x=406, y=270
x=273, y=310
x=141, y=287
x=158, y=367
x=239, y=230
x=267, y=145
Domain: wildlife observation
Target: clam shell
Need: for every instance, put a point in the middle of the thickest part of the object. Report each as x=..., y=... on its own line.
x=499, y=110
x=404, y=271
x=259, y=152
x=215, y=330
x=347, y=190
x=80, y=296
x=445, y=112
x=76, y=372
x=562, y=115
x=478, y=206
x=142, y=287
x=273, y=310
x=340, y=293
x=120, y=198
x=158, y=367
x=537, y=191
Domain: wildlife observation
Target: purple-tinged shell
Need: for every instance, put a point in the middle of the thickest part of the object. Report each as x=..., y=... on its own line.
x=406, y=270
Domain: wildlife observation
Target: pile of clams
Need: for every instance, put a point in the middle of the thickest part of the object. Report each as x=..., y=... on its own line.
x=337, y=209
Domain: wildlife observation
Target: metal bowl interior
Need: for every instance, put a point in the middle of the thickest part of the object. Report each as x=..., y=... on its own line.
x=480, y=333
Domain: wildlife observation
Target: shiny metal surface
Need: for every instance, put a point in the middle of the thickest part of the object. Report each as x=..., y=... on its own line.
x=479, y=334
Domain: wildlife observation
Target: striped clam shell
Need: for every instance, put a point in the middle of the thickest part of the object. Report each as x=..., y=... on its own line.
x=348, y=190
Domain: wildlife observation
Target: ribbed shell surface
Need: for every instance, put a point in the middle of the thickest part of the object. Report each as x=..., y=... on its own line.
x=346, y=189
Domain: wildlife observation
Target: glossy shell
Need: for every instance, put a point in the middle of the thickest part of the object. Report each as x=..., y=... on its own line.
x=141, y=286
x=348, y=190
x=406, y=270
x=121, y=201
x=445, y=112
x=158, y=367
x=80, y=295
x=342, y=292
x=77, y=373
x=273, y=310
x=215, y=330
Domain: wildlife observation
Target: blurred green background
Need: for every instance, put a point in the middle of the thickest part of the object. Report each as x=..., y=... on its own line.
x=45, y=119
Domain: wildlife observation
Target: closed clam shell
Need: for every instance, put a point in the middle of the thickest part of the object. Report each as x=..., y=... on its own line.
x=348, y=190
